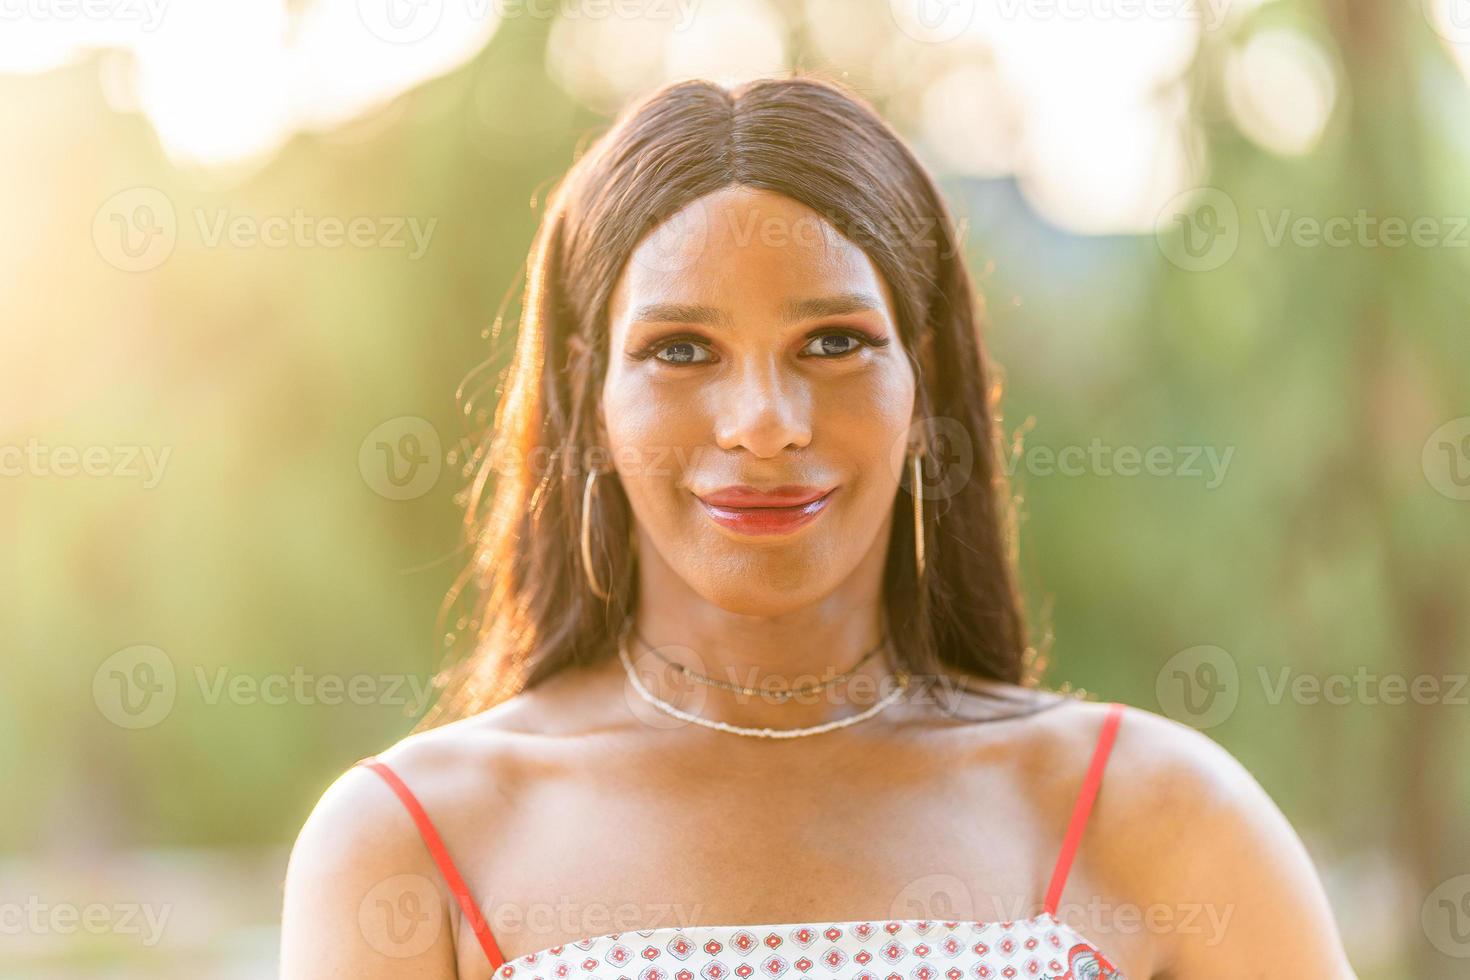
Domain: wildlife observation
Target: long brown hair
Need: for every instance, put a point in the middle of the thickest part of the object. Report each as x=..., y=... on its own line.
x=531, y=611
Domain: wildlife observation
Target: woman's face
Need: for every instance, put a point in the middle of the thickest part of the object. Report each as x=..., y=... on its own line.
x=752, y=345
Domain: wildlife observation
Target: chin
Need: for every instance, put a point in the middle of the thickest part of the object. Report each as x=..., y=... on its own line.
x=758, y=603
x=766, y=584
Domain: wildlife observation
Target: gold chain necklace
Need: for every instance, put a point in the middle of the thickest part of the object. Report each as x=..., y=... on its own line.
x=901, y=676
x=781, y=695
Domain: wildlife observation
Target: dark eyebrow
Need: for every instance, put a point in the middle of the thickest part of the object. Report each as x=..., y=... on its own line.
x=682, y=313
x=804, y=309
x=839, y=305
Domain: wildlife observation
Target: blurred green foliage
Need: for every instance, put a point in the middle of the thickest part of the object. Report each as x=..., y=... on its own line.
x=1326, y=547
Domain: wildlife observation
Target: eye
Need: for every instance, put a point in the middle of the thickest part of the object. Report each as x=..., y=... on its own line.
x=683, y=352
x=832, y=344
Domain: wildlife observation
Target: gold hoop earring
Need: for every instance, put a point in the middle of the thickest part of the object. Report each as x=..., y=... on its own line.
x=592, y=582
x=917, y=491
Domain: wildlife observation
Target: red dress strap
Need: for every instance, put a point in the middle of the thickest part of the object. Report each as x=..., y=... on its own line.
x=1083, y=806
x=441, y=858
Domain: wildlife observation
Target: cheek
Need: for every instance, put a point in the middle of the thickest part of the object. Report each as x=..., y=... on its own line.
x=653, y=437
x=872, y=416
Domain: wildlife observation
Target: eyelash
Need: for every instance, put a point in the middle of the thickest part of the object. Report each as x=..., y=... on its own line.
x=862, y=336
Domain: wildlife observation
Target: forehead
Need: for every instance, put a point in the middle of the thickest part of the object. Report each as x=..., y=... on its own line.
x=745, y=248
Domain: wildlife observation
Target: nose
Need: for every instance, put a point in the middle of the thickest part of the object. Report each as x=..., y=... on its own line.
x=764, y=411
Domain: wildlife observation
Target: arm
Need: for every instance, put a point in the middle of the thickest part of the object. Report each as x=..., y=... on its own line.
x=363, y=898
x=1229, y=858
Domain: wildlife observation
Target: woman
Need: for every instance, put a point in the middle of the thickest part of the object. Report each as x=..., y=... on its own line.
x=750, y=689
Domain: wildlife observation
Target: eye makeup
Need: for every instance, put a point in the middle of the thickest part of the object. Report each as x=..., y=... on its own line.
x=865, y=338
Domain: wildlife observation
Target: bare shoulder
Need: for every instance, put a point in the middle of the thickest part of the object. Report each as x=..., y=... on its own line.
x=362, y=892
x=1204, y=849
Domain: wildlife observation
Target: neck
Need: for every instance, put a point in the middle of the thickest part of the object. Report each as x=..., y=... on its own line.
x=798, y=649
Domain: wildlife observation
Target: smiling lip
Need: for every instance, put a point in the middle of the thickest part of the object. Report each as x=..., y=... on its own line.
x=780, y=510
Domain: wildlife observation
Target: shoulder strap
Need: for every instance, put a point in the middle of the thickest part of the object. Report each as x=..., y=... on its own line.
x=441, y=858
x=1083, y=806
